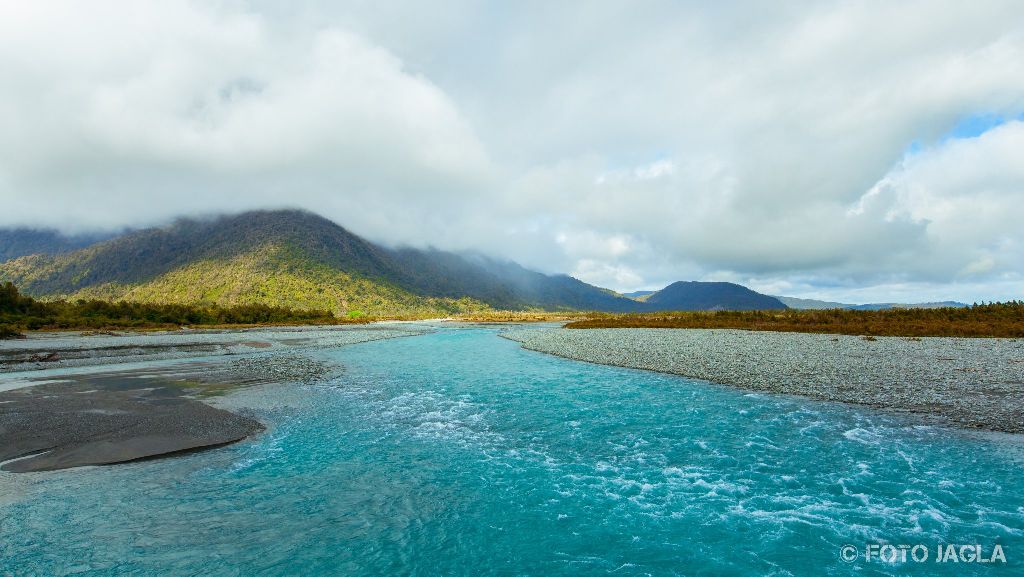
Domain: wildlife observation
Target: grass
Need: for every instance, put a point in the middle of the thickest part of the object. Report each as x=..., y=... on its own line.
x=520, y=316
x=985, y=320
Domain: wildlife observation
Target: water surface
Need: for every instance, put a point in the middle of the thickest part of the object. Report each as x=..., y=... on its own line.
x=458, y=453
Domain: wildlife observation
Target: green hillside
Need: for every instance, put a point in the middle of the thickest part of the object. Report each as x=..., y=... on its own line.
x=266, y=276
x=286, y=259
x=294, y=259
x=299, y=260
x=277, y=276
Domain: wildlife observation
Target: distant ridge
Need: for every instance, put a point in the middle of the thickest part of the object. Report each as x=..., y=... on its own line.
x=697, y=296
x=933, y=305
x=798, y=303
x=639, y=295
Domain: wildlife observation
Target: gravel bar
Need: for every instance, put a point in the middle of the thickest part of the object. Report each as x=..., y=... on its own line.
x=60, y=350
x=973, y=383
x=96, y=400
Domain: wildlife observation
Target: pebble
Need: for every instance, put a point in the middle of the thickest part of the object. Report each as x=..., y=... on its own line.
x=974, y=383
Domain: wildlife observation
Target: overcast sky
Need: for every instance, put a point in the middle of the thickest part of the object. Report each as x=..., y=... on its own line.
x=858, y=151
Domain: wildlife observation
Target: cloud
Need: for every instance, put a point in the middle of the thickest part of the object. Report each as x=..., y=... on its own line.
x=139, y=111
x=969, y=195
x=814, y=146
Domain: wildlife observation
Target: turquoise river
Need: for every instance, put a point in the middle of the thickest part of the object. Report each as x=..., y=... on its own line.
x=459, y=453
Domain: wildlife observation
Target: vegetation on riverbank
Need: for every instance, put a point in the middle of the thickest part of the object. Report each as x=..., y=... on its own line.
x=980, y=320
x=529, y=316
x=19, y=312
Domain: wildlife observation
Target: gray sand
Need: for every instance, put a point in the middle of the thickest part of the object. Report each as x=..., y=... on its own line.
x=975, y=383
x=43, y=351
x=71, y=426
x=94, y=400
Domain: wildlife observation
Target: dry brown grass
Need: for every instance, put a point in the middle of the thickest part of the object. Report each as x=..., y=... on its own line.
x=520, y=317
x=989, y=320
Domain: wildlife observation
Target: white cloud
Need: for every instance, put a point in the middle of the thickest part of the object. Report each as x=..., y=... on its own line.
x=177, y=107
x=760, y=143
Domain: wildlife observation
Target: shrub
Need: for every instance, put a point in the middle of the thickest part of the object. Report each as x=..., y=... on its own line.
x=10, y=332
x=980, y=320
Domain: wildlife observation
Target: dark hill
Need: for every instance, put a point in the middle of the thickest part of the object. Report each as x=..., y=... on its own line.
x=705, y=296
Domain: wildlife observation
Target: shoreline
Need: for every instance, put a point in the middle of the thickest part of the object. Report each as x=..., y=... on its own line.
x=969, y=384
x=131, y=406
x=43, y=351
x=68, y=402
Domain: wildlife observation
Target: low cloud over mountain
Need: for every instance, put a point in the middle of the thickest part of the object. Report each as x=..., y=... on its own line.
x=631, y=146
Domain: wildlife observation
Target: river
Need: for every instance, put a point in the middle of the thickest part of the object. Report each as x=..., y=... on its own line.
x=459, y=453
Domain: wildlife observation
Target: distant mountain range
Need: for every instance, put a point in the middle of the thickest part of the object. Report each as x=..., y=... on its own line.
x=639, y=295
x=797, y=303
x=301, y=260
x=15, y=242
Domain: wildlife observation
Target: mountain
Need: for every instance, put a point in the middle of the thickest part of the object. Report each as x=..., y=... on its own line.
x=811, y=304
x=638, y=295
x=501, y=284
x=301, y=260
x=297, y=259
x=798, y=303
x=696, y=296
x=932, y=305
x=15, y=242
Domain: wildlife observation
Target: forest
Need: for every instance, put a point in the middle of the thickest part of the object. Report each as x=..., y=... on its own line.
x=978, y=320
x=19, y=312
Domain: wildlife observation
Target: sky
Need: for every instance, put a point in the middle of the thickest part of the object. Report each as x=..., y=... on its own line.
x=857, y=151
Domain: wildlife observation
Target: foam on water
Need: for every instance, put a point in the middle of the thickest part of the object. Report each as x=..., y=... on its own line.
x=458, y=453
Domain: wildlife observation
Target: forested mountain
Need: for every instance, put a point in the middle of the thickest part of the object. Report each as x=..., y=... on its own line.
x=502, y=284
x=301, y=260
x=703, y=296
x=812, y=304
x=293, y=258
x=15, y=242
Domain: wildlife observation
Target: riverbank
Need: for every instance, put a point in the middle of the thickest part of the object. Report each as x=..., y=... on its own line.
x=993, y=320
x=73, y=400
x=972, y=383
x=55, y=350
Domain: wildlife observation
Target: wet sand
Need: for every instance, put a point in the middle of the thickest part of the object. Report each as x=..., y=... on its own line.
x=69, y=400
x=71, y=425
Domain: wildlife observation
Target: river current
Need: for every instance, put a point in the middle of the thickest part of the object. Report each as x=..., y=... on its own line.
x=459, y=453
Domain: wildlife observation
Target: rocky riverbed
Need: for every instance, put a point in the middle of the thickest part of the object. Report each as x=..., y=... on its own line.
x=70, y=400
x=975, y=383
x=76, y=349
